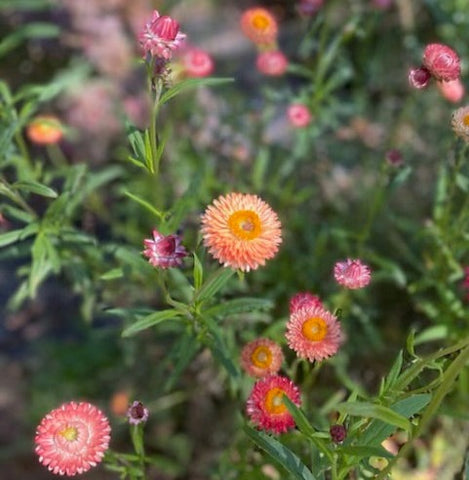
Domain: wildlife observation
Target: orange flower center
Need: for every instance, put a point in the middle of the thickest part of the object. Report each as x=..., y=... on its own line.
x=273, y=402
x=245, y=224
x=314, y=329
x=260, y=21
x=261, y=357
x=465, y=120
x=69, y=433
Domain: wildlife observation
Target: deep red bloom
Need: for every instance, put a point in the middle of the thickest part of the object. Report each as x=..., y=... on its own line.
x=164, y=251
x=442, y=62
x=419, y=77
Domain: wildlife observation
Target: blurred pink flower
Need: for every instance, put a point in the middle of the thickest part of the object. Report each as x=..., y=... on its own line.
x=352, y=274
x=442, y=62
x=452, y=90
x=273, y=63
x=394, y=157
x=261, y=357
x=309, y=7
x=137, y=413
x=197, y=62
x=304, y=299
x=419, y=77
x=299, y=115
x=164, y=251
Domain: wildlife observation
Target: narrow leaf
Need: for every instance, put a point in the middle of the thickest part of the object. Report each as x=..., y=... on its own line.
x=35, y=187
x=239, y=305
x=300, y=418
x=150, y=321
x=112, y=274
x=198, y=272
x=145, y=204
x=364, y=451
x=214, y=283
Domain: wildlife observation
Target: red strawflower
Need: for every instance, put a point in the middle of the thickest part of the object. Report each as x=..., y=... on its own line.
x=419, y=77
x=164, y=251
x=442, y=62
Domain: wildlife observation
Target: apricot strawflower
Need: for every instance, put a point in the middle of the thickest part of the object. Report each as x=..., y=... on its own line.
x=261, y=357
x=260, y=26
x=45, y=130
x=352, y=274
x=460, y=122
x=241, y=231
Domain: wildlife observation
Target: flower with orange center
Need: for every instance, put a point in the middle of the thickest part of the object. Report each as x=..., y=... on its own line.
x=313, y=333
x=265, y=406
x=261, y=357
x=260, y=26
x=460, y=123
x=72, y=438
x=241, y=231
x=45, y=130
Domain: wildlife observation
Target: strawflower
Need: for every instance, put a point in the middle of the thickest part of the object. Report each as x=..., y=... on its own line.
x=137, y=413
x=261, y=357
x=460, y=122
x=352, y=274
x=265, y=405
x=197, y=63
x=45, y=130
x=419, y=77
x=299, y=115
x=453, y=90
x=338, y=433
x=72, y=438
x=302, y=300
x=260, y=26
x=164, y=251
x=241, y=231
x=273, y=63
x=442, y=62
x=313, y=333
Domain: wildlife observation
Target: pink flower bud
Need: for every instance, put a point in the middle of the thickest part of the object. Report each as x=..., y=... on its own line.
x=165, y=27
x=197, y=63
x=453, y=90
x=442, y=62
x=299, y=115
x=419, y=77
x=273, y=63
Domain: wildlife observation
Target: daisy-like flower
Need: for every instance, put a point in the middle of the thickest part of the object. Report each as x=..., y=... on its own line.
x=299, y=115
x=442, y=62
x=313, y=333
x=352, y=274
x=453, y=90
x=137, y=413
x=164, y=251
x=45, y=130
x=460, y=122
x=260, y=26
x=241, y=231
x=273, y=63
x=302, y=300
x=197, y=63
x=265, y=405
x=72, y=438
x=161, y=36
x=261, y=357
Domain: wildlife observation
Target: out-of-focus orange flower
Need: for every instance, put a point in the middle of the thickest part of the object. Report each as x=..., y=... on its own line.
x=259, y=25
x=120, y=403
x=45, y=130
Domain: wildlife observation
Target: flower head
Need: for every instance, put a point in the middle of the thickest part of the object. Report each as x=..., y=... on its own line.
x=419, y=77
x=273, y=63
x=161, y=36
x=45, y=130
x=394, y=157
x=265, y=405
x=260, y=26
x=241, y=231
x=261, y=357
x=299, y=115
x=164, y=251
x=352, y=274
x=197, y=63
x=137, y=413
x=338, y=433
x=302, y=300
x=72, y=438
x=453, y=90
x=460, y=123
x=442, y=62
x=313, y=333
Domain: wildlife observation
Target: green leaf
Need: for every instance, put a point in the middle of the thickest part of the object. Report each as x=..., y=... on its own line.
x=394, y=372
x=198, y=272
x=300, y=418
x=41, y=265
x=112, y=274
x=30, y=30
x=430, y=334
x=150, y=321
x=371, y=410
x=214, y=283
x=363, y=451
x=35, y=187
x=182, y=353
x=280, y=453
x=145, y=204
x=15, y=235
x=239, y=305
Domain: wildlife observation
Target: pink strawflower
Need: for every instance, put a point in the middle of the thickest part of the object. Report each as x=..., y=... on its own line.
x=310, y=7
x=352, y=274
x=272, y=63
x=419, y=77
x=313, y=333
x=261, y=357
x=164, y=251
x=453, y=90
x=460, y=122
x=197, y=62
x=299, y=115
x=302, y=300
x=137, y=413
x=442, y=62
x=265, y=405
x=161, y=36
x=72, y=438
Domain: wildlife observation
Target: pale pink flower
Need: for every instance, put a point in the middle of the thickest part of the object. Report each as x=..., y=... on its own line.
x=137, y=413
x=442, y=62
x=261, y=357
x=419, y=77
x=352, y=274
x=460, y=123
x=313, y=333
x=272, y=63
x=453, y=90
x=304, y=299
x=164, y=251
x=299, y=115
x=72, y=438
x=197, y=63
x=161, y=36
x=265, y=405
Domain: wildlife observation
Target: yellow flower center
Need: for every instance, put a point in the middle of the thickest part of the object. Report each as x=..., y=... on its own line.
x=245, y=224
x=314, y=329
x=273, y=402
x=260, y=22
x=465, y=120
x=69, y=433
x=261, y=357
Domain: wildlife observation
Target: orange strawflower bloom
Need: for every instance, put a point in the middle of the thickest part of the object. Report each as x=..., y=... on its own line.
x=260, y=26
x=44, y=130
x=241, y=231
x=261, y=357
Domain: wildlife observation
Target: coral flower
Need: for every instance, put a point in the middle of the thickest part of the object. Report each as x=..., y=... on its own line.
x=161, y=36
x=261, y=357
x=273, y=63
x=453, y=90
x=265, y=405
x=460, y=123
x=259, y=25
x=304, y=299
x=352, y=274
x=241, y=231
x=197, y=63
x=313, y=333
x=442, y=62
x=72, y=438
x=299, y=115
x=45, y=130
x=164, y=251
x=419, y=77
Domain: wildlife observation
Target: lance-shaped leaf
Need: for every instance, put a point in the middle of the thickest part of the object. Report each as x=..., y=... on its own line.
x=150, y=321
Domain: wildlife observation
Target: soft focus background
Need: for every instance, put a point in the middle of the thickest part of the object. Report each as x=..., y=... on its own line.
x=64, y=344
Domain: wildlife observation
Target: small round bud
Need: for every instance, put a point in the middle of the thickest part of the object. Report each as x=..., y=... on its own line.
x=338, y=433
